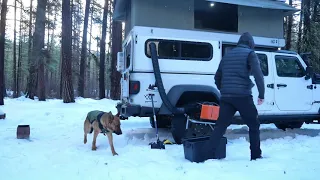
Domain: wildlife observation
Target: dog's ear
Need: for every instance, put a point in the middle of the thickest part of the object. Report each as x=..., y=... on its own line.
x=111, y=118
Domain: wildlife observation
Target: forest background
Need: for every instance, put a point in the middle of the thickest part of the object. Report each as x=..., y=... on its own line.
x=50, y=51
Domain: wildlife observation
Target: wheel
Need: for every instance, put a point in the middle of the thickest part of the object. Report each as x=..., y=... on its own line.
x=162, y=122
x=178, y=128
x=291, y=125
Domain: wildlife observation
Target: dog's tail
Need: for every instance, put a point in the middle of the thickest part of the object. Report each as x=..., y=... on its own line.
x=91, y=130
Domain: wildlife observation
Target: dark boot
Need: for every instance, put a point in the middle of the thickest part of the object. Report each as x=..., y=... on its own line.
x=255, y=158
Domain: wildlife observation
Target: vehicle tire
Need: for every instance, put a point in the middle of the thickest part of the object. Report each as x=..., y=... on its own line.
x=291, y=125
x=162, y=122
x=178, y=128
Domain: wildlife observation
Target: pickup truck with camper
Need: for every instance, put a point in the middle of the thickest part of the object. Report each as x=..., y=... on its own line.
x=178, y=66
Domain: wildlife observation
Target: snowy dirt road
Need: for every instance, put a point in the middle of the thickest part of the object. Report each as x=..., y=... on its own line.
x=56, y=150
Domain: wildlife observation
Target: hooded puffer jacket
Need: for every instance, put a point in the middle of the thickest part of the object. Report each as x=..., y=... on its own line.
x=233, y=75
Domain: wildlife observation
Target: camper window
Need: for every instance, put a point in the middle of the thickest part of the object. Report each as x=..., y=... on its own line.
x=128, y=54
x=182, y=50
x=196, y=50
x=215, y=16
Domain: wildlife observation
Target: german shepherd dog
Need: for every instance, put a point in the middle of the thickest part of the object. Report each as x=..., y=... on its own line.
x=102, y=122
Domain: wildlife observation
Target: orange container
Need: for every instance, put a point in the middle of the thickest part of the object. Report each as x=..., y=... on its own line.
x=209, y=112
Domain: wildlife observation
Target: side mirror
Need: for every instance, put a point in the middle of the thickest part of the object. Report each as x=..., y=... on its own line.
x=309, y=74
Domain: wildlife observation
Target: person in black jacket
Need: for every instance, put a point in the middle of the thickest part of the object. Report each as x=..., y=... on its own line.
x=233, y=80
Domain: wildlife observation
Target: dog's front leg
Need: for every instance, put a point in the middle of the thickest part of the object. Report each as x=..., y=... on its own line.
x=110, y=138
x=95, y=135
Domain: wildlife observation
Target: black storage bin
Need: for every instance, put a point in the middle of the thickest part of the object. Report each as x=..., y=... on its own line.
x=193, y=146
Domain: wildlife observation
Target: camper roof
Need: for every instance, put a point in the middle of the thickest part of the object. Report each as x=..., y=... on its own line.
x=120, y=7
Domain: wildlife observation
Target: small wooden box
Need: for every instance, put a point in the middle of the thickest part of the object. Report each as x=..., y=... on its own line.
x=3, y=116
x=23, y=132
x=209, y=112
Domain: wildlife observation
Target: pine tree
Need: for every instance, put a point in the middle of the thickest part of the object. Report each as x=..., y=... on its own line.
x=66, y=48
x=103, y=52
x=2, y=43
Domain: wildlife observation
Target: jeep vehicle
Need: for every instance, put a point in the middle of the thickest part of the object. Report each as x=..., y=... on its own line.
x=188, y=62
x=178, y=65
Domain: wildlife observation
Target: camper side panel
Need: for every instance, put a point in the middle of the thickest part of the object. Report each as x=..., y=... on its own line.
x=260, y=22
x=179, y=14
x=165, y=13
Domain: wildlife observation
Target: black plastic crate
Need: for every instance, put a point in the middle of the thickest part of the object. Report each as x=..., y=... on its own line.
x=193, y=146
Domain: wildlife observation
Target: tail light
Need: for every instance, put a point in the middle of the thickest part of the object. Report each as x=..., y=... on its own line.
x=134, y=87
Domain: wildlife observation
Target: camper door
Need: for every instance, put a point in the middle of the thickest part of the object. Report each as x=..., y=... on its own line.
x=127, y=65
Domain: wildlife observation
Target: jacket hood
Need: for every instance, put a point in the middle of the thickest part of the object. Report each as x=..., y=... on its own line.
x=246, y=39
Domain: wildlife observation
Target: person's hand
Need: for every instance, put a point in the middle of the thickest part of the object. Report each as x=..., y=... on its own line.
x=260, y=101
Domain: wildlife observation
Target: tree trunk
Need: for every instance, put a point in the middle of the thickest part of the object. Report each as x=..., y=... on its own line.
x=116, y=47
x=60, y=75
x=300, y=28
x=289, y=29
x=20, y=55
x=109, y=59
x=110, y=28
x=89, y=87
x=29, y=44
x=41, y=81
x=84, y=50
x=37, y=55
x=14, y=73
x=48, y=59
x=41, y=67
x=2, y=45
x=306, y=24
x=95, y=71
x=103, y=51
x=67, y=89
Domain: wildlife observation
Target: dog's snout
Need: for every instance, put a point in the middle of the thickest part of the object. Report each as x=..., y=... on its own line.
x=118, y=132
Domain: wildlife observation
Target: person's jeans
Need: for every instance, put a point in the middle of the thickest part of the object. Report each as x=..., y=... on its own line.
x=248, y=112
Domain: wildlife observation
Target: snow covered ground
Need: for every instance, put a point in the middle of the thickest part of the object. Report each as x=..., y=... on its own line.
x=56, y=150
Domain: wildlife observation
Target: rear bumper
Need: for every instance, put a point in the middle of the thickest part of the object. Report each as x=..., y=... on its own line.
x=127, y=110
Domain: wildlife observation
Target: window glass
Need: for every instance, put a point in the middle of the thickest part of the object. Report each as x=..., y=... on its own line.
x=263, y=63
x=226, y=16
x=128, y=54
x=289, y=66
x=168, y=49
x=195, y=50
x=182, y=50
